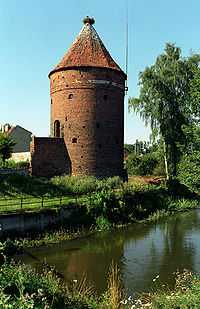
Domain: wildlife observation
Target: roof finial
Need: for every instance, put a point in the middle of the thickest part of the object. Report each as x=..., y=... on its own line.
x=88, y=20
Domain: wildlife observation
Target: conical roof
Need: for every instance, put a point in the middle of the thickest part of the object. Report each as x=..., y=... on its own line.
x=88, y=50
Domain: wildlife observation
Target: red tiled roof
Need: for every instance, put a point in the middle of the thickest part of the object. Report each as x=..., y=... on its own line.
x=88, y=50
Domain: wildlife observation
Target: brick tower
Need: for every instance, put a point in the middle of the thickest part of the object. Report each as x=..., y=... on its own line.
x=87, y=106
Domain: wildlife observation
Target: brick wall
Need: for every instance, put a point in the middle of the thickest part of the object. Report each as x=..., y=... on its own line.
x=89, y=105
x=49, y=157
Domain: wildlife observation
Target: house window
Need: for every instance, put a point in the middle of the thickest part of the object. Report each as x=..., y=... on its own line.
x=105, y=97
x=74, y=140
x=70, y=96
x=99, y=145
x=98, y=125
x=56, y=128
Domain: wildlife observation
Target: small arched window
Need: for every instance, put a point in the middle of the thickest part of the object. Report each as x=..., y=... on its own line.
x=70, y=96
x=56, y=128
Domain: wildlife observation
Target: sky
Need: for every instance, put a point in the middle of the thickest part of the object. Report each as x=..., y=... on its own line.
x=35, y=35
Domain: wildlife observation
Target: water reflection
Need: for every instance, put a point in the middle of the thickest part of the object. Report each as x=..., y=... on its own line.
x=141, y=251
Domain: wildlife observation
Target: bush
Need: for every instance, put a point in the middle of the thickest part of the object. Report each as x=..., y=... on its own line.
x=141, y=164
x=22, y=287
x=189, y=171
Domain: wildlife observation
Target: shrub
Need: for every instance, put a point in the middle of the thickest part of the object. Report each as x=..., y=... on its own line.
x=22, y=287
x=141, y=164
x=189, y=171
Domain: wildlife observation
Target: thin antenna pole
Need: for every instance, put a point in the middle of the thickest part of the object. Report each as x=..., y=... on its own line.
x=126, y=71
x=126, y=56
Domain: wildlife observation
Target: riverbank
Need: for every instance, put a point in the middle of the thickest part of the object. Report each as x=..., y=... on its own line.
x=108, y=204
x=184, y=295
x=23, y=287
x=107, y=209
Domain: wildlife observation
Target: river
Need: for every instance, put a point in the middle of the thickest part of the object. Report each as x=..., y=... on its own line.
x=142, y=251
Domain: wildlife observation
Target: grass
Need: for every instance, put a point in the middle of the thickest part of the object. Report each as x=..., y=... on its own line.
x=30, y=193
x=184, y=295
x=38, y=203
x=22, y=287
x=49, y=238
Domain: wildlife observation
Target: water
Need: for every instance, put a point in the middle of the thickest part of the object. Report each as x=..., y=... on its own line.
x=142, y=252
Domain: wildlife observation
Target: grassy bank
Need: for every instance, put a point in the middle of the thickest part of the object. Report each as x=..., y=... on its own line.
x=17, y=186
x=23, y=287
x=103, y=204
x=184, y=295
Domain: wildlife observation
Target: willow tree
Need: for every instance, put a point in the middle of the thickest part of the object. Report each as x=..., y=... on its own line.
x=164, y=100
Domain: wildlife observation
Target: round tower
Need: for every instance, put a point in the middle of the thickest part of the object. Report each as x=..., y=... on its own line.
x=87, y=106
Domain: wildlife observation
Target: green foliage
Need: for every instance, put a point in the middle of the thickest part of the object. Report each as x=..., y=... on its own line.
x=102, y=224
x=20, y=185
x=189, y=170
x=85, y=184
x=75, y=184
x=139, y=147
x=164, y=101
x=183, y=204
x=6, y=147
x=147, y=164
x=184, y=295
x=21, y=164
x=22, y=287
x=195, y=93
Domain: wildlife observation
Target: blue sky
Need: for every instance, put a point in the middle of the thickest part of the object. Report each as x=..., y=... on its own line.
x=35, y=34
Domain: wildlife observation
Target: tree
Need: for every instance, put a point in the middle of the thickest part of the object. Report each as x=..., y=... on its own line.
x=189, y=170
x=6, y=147
x=164, y=101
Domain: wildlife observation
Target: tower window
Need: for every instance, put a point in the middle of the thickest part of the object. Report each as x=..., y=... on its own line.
x=51, y=101
x=70, y=96
x=56, y=128
x=74, y=140
x=105, y=97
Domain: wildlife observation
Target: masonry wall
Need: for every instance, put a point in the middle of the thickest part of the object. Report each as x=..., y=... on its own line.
x=49, y=157
x=89, y=105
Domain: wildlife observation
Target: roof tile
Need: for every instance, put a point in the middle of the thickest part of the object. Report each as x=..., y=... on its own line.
x=88, y=50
